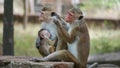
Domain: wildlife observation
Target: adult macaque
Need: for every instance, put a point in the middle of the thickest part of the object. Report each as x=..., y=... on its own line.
x=77, y=39
x=47, y=35
x=77, y=36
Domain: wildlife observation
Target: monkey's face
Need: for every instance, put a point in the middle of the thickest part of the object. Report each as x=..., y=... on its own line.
x=70, y=17
x=73, y=14
x=44, y=34
x=44, y=15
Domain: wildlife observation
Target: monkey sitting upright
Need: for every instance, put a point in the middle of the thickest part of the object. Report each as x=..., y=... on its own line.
x=77, y=39
x=47, y=30
x=43, y=44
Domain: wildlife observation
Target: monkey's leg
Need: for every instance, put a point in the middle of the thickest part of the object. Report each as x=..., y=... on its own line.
x=43, y=51
x=64, y=55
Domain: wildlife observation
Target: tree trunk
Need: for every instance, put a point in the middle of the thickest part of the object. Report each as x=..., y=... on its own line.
x=25, y=13
x=8, y=35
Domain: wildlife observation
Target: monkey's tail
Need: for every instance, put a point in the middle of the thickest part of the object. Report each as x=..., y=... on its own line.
x=93, y=65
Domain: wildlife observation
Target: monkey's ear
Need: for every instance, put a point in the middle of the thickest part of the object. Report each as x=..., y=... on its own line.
x=80, y=17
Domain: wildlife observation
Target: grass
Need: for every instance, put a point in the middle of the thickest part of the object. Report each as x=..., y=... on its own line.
x=24, y=40
x=102, y=40
x=104, y=45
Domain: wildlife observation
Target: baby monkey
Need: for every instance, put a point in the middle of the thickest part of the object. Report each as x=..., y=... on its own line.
x=46, y=45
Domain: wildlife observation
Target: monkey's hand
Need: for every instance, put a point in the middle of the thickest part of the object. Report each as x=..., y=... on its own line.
x=52, y=49
x=56, y=22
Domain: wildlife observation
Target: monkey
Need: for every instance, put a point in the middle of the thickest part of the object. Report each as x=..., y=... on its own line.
x=46, y=45
x=77, y=38
x=49, y=45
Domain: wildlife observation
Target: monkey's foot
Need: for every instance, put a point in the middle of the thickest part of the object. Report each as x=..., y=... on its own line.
x=37, y=60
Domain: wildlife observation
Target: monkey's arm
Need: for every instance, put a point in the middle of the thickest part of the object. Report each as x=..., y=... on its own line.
x=51, y=45
x=44, y=47
x=56, y=16
x=64, y=34
x=84, y=42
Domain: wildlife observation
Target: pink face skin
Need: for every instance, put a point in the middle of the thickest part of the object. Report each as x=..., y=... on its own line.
x=44, y=34
x=70, y=17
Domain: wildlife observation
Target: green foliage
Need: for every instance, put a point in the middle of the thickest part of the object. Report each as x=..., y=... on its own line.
x=108, y=24
x=103, y=45
x=24, y=40
x=25, y=45
x=93, y=4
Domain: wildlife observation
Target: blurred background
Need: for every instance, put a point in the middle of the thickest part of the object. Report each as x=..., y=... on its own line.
x=102, y=16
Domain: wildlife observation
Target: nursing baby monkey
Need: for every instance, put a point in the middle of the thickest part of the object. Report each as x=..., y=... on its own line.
x=77, y=38
x=46, y=46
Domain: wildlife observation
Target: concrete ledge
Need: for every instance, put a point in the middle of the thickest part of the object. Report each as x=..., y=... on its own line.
x=112, y=58
x=23, y=62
